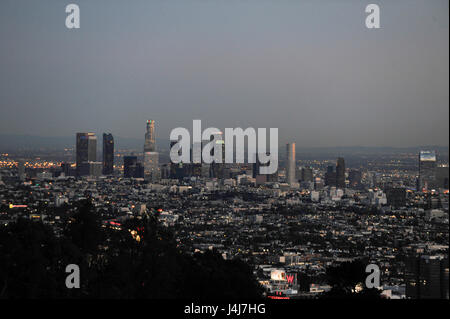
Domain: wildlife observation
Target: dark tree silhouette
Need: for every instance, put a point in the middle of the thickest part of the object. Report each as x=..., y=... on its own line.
x=113, y=263
x=84, y=228
x=33, y=260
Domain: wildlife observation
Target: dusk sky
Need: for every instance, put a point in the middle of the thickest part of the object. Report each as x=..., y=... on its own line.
x=310, y=68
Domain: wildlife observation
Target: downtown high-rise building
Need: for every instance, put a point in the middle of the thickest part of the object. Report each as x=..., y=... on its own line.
x=290, y=163
x=108, y=154
x=262, y=178
x=151, y=156
x=86, y=153
x=427, y=170
x=306, y=174
x=132, y=168
x=354, y=178
x=150, y=141
x=330, y=176
x=196, y=160
x=340, y=173
x=442, y=176
x=217, y=169
x=177, y=170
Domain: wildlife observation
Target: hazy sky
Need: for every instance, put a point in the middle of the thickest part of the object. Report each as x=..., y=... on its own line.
x=310, y=68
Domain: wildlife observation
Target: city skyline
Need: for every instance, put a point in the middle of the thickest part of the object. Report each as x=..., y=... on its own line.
x=150, y=143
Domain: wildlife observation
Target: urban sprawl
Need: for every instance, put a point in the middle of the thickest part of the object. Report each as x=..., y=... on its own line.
x=290, y=226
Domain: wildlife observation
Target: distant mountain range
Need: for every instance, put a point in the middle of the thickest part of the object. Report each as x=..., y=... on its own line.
x=9, y=142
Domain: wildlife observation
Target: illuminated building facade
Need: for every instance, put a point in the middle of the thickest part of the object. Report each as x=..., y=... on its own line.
x=290, y=163
x=427, y=170
x=86, y=152
x=151, y=156
x=150, y=144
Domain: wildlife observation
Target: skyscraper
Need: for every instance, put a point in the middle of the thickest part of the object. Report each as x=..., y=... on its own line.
x=255, y=167
x=290, y=163
x=262, y=178
x=150, y=144
x=65, y=168
x=177, y=170
x=196, y=161
x=108, y=154
x=442, y=174
x=131, y=167
x=354, y=177
x=340, y=173
x=330, y=176
x=306, y=174
x=427, y=170
x=217, y=170
x=151, y=157
x=86, y=152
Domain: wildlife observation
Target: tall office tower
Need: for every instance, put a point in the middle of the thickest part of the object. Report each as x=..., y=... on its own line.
x=427, y=170
x=354, y=177
x=178, y=170
x=108, y=154
x=65, y=168
x=151, y=156
x=290, y=163
x=217, y=170
x=260, y=178
x=150, y=144
x=340, y=173
x=330, y=176
x=256, y=165
x=318, y=183
x=86, y=152
x=442, y=176
x=95, y=168
x=165, y=171
x=427, y=277
x=151, y=165
x=131, y=167
x=306, y=174
x=195, y=168
x=272, y=178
